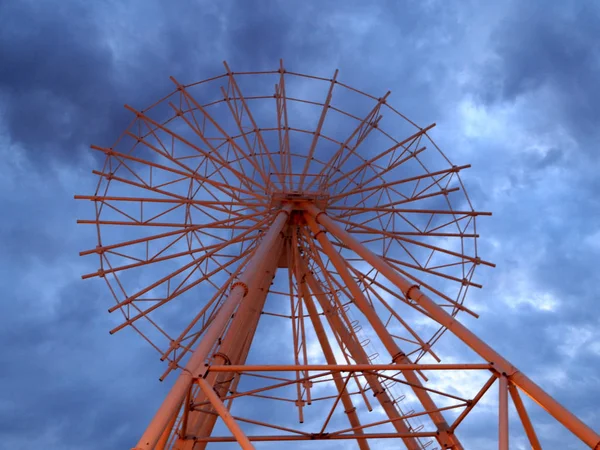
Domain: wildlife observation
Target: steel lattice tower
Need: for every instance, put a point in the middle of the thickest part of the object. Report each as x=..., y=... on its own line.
x=293, y=253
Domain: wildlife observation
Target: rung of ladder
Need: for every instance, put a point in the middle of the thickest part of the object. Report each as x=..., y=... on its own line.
x=373, y=356
x=356, y=326
x=389, y=383
x=399, y=399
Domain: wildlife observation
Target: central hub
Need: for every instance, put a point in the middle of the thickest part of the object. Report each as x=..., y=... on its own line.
x=319, y=199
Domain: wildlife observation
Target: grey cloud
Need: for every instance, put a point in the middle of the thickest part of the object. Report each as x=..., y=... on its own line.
x=541, y=46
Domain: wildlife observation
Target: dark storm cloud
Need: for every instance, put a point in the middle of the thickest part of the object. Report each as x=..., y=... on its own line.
x=53, y=68
x=553, y=47
x=67, y=68
x=59, y=358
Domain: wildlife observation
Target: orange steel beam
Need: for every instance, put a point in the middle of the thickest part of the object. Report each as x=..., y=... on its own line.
x=195, y=366
x=370, y=122
x=263, y=424
x=216, y=247
x=241, y=330
x=284, y=382
x=249, y=115
x=249, y=182
x=251, y=157
x=503, y=413
x=170, y=297
x=223, y=412
x=444, y=438
x=314, y=437
x=389, y=184
x=349, y=407
x=407, y=327
x=164, y=438
x=444, y=172
x=533, y=439
x=293, y=273
x=339, y=318
x=502, y=366
x=313, y=144
x=211, y=156
x=171, y=156
x=472, y=259
x=285, y=156
x=358, y=354
x=284, y=141
x=404, y=416
x=187, y=173
x=295, y=331
x=341, y=392
x=346, y=367
x=383, y=170
x=171, y=275
x=359, y=210
x=177, y=342
x=206, y=114
x=474, y=401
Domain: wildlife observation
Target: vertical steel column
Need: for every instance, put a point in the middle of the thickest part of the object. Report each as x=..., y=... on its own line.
x=349, y=407
x=242, y=329
x=444, y=437
x=503, y=413
x=360, y=356
x=195, y=364
x=555, y=409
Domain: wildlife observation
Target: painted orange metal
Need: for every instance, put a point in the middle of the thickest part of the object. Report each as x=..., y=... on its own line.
x=349, y=236
x=412, y=291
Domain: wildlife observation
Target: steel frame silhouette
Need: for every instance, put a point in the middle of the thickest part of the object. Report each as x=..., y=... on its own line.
x=199, y=181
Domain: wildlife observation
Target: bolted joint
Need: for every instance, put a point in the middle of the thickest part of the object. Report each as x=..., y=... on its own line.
x=317, y=216
x=314, y=436
x=224, y=357
x=319, y=232
x=376, y=393
x=409, y=292
x=242, y=284
x=398, y=356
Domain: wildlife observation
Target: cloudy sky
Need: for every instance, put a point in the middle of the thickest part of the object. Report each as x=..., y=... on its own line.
x=513, y=87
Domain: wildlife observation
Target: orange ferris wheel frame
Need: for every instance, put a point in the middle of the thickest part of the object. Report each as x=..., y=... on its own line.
x=219, y=200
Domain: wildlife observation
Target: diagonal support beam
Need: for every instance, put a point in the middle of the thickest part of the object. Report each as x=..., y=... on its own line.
x=503, y=366
x=516, y=398
x=223, y=412
x=195, y=366
x=231, y=350
x=390, y=344
x=503, y=413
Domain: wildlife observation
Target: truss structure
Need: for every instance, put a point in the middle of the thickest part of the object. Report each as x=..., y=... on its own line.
x=294, y=252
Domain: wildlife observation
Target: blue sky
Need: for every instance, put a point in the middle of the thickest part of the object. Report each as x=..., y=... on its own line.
x=513, y=87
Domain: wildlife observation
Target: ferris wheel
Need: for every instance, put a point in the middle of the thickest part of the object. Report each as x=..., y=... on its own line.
x=259, y=201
